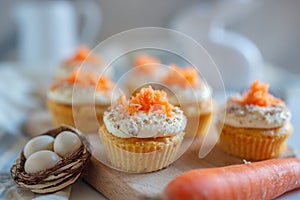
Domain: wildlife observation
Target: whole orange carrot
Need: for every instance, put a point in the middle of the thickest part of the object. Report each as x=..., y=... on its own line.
x=260, y=180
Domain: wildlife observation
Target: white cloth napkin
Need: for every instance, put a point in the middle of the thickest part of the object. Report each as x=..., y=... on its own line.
x=19, y=97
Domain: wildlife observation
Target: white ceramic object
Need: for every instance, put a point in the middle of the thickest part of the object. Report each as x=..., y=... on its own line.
x=49, y=31
x=238, y=59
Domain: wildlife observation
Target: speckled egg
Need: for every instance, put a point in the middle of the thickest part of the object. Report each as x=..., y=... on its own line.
x=41, y=160
x=42, y=142
x=66, y=143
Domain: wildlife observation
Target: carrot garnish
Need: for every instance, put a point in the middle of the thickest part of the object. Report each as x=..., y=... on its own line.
x=86, y=79
x=258, y=95
x=104, y=84
x=183, y=77
x=146, y=64
x=149, y=100
x=83, y=54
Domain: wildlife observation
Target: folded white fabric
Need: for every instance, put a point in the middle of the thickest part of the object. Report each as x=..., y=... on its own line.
x=16, y=99
x=18, y=89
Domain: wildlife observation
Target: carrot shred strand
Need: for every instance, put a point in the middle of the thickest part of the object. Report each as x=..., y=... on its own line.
x=146, y=63
x=149, y=100
x=258, y=95
x=183, y=77
x=83, y=54
x=85, y=79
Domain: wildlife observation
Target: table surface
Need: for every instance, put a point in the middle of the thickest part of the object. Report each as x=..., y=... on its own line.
x=289, y=88
x=81, y=190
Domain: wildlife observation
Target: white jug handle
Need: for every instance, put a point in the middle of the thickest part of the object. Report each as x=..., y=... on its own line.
x=90, y=21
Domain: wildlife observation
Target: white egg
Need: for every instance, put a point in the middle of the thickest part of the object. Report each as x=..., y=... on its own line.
x=41, y=160
x=66, y=143
x=42, y=142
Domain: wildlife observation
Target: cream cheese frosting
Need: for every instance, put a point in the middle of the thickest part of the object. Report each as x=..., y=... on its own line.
x=137, y=79
x=189, y=95
x=67, y=95
x=253, y=116
x=143, y=125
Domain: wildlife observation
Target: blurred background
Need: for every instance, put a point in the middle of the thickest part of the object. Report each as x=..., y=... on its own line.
x=247, y=39
x=272, y=25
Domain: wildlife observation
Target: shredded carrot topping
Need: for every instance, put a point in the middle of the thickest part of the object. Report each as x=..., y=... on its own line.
x=83, y=54
x=258, y=95
x=146, y=63
x=86, y=79
x=183, y=77
x=150, y=100
x=104, y=84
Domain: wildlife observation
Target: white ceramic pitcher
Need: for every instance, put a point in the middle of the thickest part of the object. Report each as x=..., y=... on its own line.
x=237, y=58
x=50, y=30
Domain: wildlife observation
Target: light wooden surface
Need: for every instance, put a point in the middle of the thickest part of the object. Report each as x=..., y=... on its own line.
x=121, y=185
x=115, y=184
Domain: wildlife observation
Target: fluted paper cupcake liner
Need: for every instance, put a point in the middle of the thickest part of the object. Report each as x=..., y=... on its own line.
x=198, y=125
x=261, y=144
x=140, y=156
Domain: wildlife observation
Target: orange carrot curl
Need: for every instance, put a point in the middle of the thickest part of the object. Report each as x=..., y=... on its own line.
x=183, y=77
x=260, y=180
x=150, y=100
x=146, y=63
x=86, y=79
x=258, y=95
x=83, y=54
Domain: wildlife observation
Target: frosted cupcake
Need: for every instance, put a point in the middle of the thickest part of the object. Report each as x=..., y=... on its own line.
x=147, y=69
x=144, y=133
x=192, y=95
x=256, y=124
x=82, y=56
x=76, y=99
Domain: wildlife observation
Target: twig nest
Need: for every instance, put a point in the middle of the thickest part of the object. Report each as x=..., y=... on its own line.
x=52, y=161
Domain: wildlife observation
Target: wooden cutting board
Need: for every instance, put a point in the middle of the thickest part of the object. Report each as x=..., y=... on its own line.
x=119, y=185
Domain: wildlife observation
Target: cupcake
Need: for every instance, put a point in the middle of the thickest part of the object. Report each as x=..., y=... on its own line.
x=78, y=98
x=147, y=70
x=144, y=133
x=256, y=124
x=193, y=96
x=81, y=57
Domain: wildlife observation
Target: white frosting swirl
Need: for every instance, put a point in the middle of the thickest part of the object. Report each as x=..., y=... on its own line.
x=189, y=95
x=252, y=116
x=142, y=125
x=137, y=79
x=65, y=94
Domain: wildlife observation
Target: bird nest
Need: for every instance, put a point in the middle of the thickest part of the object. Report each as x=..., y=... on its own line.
x=63, y=174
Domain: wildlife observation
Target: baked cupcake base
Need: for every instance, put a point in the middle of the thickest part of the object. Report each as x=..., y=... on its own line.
x=140, y=155
x=198, y=119
x=84, y=114
x=254, y=144
x=197, y=126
